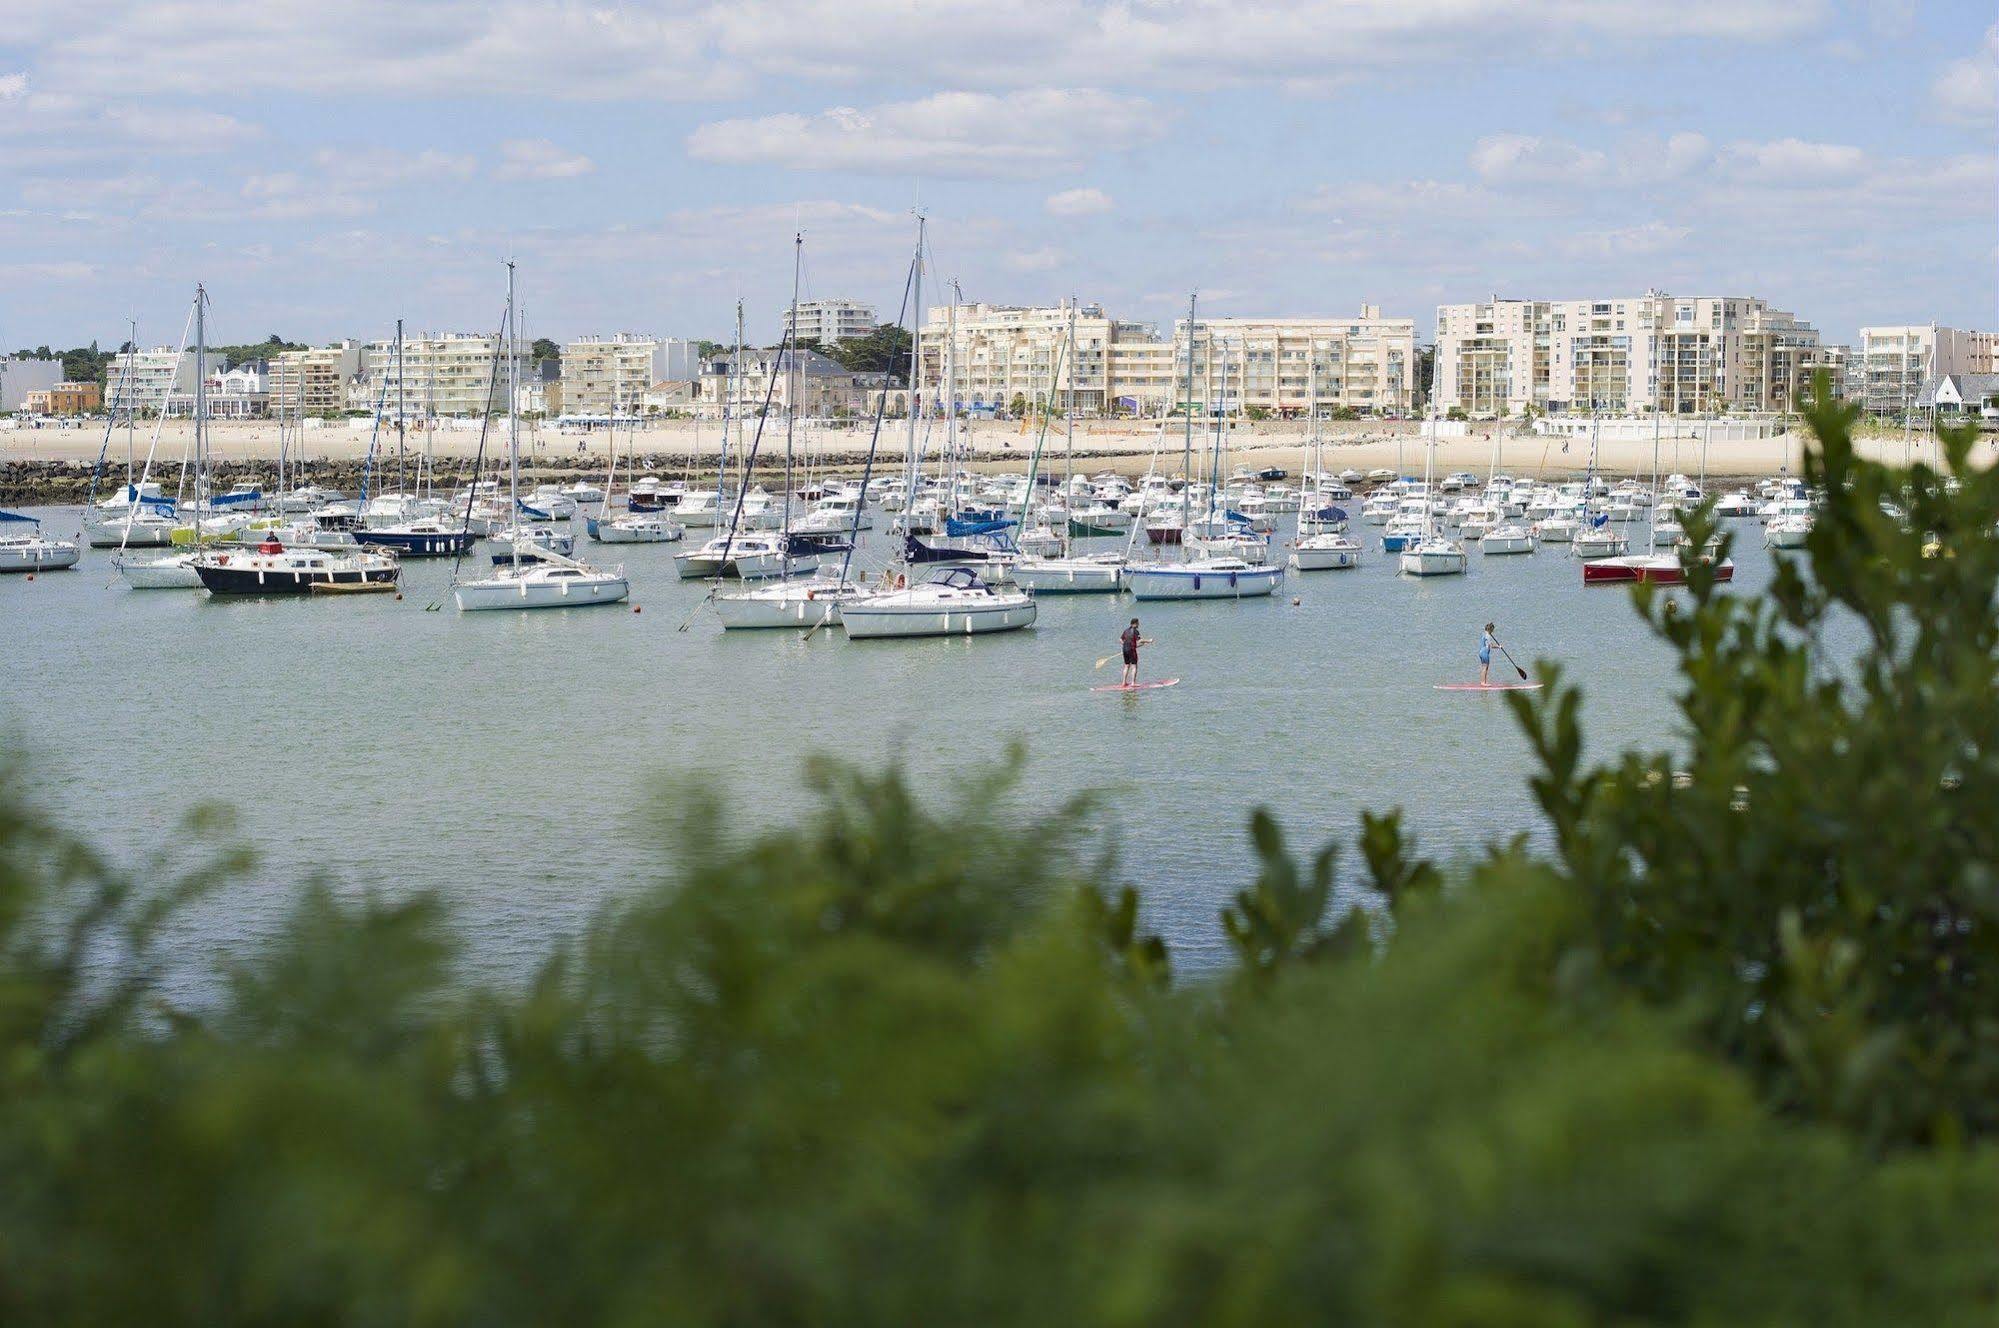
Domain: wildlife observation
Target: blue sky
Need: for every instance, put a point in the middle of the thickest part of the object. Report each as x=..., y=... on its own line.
x=327, y=168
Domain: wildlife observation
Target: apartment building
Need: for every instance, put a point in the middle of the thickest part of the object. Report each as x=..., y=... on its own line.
x=1896, y=363
x=147, y=382
x=1002, y=357
x=604, y=376
x=315, y=381
x=440, y=374
x=1654, y=351
x=239, y=393
x=828, y=321
x=64, y=399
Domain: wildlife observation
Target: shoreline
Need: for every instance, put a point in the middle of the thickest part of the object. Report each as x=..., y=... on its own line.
x=53, y=465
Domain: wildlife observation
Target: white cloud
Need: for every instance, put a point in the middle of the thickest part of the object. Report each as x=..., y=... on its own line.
x=539, y=159
x=1521, y=159
x=1967, y=91
x=1043, y=259
x=1077, y=203
x=697, y=49
x=950, y=134
x=1793, y=161
x=13, y=87
x=1652, y=237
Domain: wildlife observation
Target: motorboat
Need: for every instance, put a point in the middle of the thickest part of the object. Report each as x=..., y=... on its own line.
x=583, y=494
x=1555, y=529
x=1663, y=569
x=548, y=503
x=1087, y=574
x=1434, y=555
x=1789, y=530
x=1509, y=538
x=1203, y=578
x=955, y=602
x=1099, y=519
x=747, y=556
x=547, y=583
x=272, y=569
x=140, y=528
x=1599, y=542
x=634, y=528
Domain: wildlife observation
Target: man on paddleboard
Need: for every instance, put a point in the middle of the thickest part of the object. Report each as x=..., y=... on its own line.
x=1486, y=644
x=1131, y=641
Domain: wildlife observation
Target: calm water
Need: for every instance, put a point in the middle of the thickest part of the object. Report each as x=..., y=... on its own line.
x=512, y=761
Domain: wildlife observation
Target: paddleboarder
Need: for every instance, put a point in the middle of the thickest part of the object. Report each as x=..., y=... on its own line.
x=1131, y=641
x=1487, y=643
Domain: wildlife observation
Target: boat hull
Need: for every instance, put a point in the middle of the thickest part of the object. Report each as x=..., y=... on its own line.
x=1418, y=562
x=1153, y=583
x=792, y=607
x=174, y=572
x=878, y=620
x=225, y=579
x=418, y=543
x=1654, y=569
x=520, y=593
x=42, y=556
x=1068, y=576
x=1335, y=558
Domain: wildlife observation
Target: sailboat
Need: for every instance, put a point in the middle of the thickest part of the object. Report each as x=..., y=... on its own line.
x=1434, y=553
x=32, y=551
x=535, y=578
x=794, y=601
x=1207, y=577
x=1323, y=543
x=1651, y=566
x=1068, y=572
x=955, y=601
x=633, y=526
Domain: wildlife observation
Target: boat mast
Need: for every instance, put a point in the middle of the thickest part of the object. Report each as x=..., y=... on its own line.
x=1069, y=434
x=734, y=414
x=915, y=370
x=954, y=464
x=1187, y=447
x=788, y=352
x=131, y=415
x=402, y=415
x=200, y=406
x=507, y=347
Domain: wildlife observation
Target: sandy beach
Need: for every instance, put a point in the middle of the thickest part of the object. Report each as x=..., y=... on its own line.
x=672, y=446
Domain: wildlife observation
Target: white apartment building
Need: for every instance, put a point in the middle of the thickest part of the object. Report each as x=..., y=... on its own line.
x=20, y=377
x=828, y=321
x=603, y=376
x=240, y=393
x=441, y=374
x=1619, y=356
x=1897, y=362
x=315, y=381
x=149, y=381
x=1004, y=357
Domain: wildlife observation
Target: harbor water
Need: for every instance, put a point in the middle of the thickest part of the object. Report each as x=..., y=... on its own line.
x=516, y=763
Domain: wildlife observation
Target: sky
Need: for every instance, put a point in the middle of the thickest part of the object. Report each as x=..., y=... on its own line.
x=326, y=168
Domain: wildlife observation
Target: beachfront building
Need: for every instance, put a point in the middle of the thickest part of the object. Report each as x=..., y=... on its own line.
x=828, y=321
x=1654, y=351
x=1897, y=363
x=147, y=382
x=808, y=384
x=440, y=374
x=605, y=376
x=65, y=399
x=1008, y=358
x=1961, y=397
x=317, y=380
x=239, y=393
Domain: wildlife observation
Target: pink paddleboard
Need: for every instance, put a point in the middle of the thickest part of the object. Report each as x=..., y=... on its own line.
x=1137, y=686
x=1488, y=686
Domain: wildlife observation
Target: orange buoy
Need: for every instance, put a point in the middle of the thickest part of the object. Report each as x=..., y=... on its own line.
x=635, y=608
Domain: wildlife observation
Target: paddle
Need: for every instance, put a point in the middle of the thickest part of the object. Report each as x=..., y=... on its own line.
x=1144, y=641
x=1509, y=659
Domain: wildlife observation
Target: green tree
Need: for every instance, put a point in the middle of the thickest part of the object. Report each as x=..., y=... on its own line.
x=885, y=350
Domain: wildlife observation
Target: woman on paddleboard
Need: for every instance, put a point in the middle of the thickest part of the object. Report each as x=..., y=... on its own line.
x=1487, y=642
x=1131, y=641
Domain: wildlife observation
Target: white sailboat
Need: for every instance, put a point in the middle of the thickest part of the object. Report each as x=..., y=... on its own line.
x=536, y=577
x=1066, y=572
x=1200, y=577
x=955, y=601
x=1434, y=553
x=1322, y=543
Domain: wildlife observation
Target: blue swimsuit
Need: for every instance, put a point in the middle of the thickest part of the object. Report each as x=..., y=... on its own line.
x=1485, y=644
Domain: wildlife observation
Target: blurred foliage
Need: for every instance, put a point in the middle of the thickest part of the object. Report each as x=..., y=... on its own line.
x=1714, y=1059
x=1818, y=889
